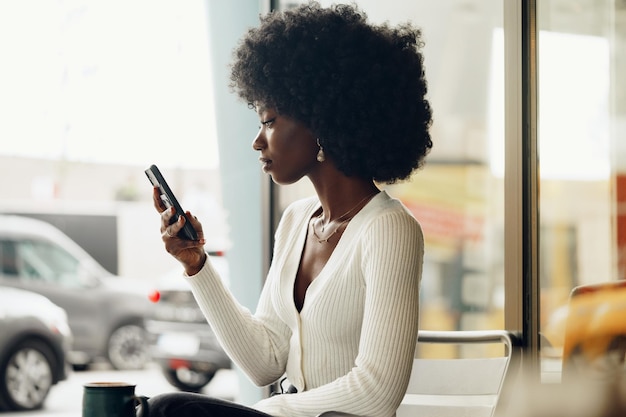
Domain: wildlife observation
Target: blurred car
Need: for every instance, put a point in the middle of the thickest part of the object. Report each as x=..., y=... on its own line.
x=34, y=340
x=182, y=342
x=106, y=313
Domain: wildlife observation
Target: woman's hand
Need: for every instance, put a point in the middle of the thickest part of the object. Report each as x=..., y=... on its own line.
x=190, y=253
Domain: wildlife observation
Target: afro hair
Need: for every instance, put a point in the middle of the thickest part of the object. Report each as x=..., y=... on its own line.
x=360, y=88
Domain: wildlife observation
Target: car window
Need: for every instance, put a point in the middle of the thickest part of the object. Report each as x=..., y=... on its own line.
x=47, y=262
x=8, y=259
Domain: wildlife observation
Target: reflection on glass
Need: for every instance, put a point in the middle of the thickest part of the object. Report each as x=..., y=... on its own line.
x=581, y=118
x=458, y=196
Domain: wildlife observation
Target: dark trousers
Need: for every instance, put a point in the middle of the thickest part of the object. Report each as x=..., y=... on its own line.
x=185, y=404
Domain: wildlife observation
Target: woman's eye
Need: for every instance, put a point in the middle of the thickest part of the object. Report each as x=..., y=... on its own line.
x=268, y=123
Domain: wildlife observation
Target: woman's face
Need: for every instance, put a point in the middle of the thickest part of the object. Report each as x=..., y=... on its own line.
x=288, y=149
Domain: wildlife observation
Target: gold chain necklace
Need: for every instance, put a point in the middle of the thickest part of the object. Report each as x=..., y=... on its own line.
x=318, y=218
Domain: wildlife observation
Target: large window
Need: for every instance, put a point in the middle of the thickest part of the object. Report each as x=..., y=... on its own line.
x=106, y=81
x=94, y=92
x=458, y=196
x=582, y=158
x=541, y=83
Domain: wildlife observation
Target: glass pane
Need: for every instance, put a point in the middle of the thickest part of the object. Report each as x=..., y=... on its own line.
x=458, y=195
x=87, y=109
x=582, y=109
x=92, y=92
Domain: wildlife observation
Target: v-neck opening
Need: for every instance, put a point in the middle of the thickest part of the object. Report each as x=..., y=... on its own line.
x=346, y=235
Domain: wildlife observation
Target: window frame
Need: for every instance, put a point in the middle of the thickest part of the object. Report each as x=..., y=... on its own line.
x=521, y=187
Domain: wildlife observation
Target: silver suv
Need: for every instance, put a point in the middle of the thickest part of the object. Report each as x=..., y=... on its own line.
x=107, y=318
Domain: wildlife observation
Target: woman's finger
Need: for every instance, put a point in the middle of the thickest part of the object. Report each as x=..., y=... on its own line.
x=195, y=223
x=168, y=232
x=171, y=230
x=156, y=200
x=168, y=223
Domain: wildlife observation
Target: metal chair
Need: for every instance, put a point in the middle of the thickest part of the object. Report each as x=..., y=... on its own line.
x=468, y=387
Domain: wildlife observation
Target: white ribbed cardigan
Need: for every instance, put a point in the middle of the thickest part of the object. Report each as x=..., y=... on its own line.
x=351, y=347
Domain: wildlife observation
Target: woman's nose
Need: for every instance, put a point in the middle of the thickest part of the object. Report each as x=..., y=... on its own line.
x=259, y=141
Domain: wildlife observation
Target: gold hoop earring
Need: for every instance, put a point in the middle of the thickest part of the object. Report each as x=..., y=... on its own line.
x=321, y=157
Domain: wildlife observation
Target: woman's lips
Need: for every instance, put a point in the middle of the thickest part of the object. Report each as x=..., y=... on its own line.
x=267, y=163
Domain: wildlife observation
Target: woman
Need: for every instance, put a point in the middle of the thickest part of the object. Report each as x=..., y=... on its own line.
x=341, y=102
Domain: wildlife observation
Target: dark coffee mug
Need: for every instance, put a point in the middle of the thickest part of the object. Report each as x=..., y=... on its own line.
x=112, y=399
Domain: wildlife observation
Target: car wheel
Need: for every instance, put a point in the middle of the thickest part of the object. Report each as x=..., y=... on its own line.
x=26, y=376
x=128, y=347
x=188, y=380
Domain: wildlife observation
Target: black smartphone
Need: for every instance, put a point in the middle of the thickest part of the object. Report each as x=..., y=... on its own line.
x=168, y=198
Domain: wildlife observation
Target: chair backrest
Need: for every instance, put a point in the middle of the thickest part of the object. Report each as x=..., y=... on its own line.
x=461, y=387
x=595, y=334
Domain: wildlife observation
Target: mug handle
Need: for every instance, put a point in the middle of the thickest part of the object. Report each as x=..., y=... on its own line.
x=143, y=400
